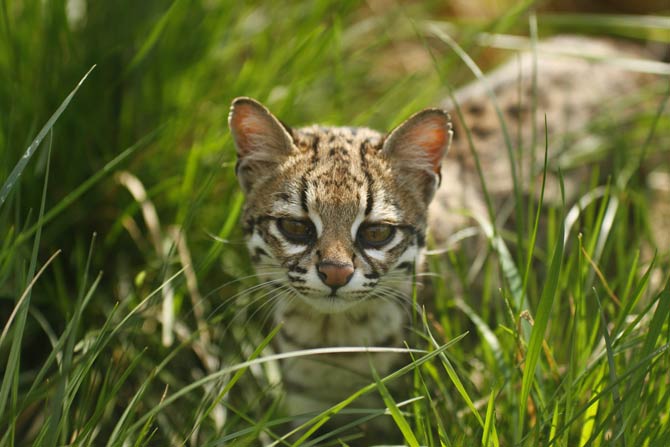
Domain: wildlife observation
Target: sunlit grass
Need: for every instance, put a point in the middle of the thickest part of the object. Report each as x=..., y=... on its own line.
x=121, y=326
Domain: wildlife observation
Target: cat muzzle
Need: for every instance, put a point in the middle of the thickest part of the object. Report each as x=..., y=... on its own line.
x=335, y=274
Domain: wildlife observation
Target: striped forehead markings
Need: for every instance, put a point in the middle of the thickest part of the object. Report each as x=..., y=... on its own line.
x=316, y=220
x=304, y=184
x=368, y=178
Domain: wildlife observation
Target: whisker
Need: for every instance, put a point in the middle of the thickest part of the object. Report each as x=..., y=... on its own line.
x=236, y=280
x=243, y=293
x=281, y=290
x=252, y=302
x=403, y=303
x=286, y=297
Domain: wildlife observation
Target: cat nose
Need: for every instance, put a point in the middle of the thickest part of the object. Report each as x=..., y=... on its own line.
x=335, y=274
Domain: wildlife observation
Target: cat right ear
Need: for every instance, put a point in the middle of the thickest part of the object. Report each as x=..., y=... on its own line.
x=416, y=148
x=260, y=138
x=421, y=141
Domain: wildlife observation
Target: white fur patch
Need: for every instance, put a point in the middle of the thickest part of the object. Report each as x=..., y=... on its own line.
x=282, y=208
x=377, y=255
x=356, y=282
x=410, y=255
x=316, y=220
x=310, y=195
x=382, y=211
x=360, y=217
x=256, y=241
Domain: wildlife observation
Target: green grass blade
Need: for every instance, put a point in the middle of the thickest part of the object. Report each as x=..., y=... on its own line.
x=13, y=177
x=489, y=422
x=656, y=327
x=611, y=367
x=536, y=222
x=10, y=377
x=658, y=320
x=26, y=294
x=635, y=373
x=509, y=267
x=453, y=376
x=591, y=412
x=503, y=126
x=541, y=319
x=153, y=36
x=59, y=404
x=86, y=185
x=396, y=414
x=236, y=377
x=234, y=211
x=318, y=421
x=554, y=422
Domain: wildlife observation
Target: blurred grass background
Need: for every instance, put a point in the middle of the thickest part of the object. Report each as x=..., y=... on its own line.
x=147, y=130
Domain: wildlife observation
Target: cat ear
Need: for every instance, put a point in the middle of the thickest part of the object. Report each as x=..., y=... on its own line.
x=257, y=133
x=260, y=138
x=421, y=141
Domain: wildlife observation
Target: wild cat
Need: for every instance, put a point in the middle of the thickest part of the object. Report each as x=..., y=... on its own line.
x=339, y=214
x=338, y=217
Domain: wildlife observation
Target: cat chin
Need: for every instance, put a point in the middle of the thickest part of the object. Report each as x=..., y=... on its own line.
x=333, y=304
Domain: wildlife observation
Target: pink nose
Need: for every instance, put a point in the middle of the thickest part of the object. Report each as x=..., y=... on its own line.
x=335, y=274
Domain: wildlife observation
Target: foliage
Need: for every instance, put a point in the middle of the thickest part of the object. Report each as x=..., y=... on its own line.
x=126, y=296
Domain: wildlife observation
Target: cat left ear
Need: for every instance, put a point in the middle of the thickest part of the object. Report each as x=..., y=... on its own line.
x=421, y=141
x=256, y=131
x=261, y=140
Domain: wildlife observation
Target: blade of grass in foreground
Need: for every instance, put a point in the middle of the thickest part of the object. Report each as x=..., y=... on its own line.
x=489, y=424
x=634, y=375
x=26, y=293
x=27, y=155
x=458, y=383
x=321, y=419
x=236, y=377
x=536, y=222
x=274, y=357
x=656, y=327
x=611, y=366
x=396, y=414
x=59, y=405
x=541, y=320
x=10, y=380
x=86, y=185
x=368, y=415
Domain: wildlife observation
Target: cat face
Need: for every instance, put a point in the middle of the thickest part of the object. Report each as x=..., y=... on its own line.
x=336, y=216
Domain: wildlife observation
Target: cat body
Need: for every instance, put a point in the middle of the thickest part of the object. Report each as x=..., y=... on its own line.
x=578, y=81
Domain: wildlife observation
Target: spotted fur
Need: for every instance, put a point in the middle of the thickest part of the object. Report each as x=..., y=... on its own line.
x=578, y=81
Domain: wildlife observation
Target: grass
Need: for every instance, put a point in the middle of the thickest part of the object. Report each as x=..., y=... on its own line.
x=126, y=300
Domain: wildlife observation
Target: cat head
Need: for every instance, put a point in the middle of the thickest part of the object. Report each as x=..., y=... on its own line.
x=336, y=216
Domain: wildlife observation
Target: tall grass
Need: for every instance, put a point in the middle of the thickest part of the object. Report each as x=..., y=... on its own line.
x=127, y=300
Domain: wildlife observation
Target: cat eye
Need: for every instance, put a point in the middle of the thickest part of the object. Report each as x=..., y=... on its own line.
x=296, y=231
x=375, y=235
